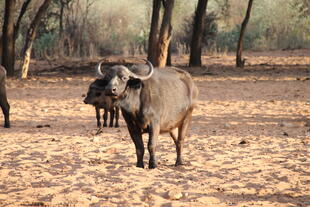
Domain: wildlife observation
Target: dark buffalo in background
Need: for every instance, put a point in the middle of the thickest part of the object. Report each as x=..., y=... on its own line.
x=3, y=98
x=157, y=102
x=99, y=100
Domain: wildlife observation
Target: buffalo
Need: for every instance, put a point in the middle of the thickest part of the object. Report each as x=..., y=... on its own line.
x=99, y=100
x=153, y=101
x=3, y=99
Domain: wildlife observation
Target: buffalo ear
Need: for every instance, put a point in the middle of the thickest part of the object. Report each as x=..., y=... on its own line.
x=134, y=83
x=99, y=84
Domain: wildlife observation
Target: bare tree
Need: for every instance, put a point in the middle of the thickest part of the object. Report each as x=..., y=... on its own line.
x=164, y=35
x=199, y=25
x=74, y=28
x=154, y=31
x=63, y=4
x=31, y=34
x=239, y=61
x=16, y=26
x=20, y=16
x=168, y=63
x=8, y=55
x=225, y=10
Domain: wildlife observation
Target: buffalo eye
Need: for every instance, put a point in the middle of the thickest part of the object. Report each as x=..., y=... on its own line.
x=97, y=94
x=124, y=78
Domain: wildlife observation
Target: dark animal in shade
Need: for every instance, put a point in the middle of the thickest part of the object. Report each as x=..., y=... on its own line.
x=3, y=98
x=158, y=101
x=98, y=99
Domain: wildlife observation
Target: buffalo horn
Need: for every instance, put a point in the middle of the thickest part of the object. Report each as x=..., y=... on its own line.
x=98, y=69
x=145, y=77
x=141, y=77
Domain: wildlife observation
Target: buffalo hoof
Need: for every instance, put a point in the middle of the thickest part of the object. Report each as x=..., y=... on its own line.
x=141, y=165
x=152, y=165
x=7, y=125
x=116, y=125
x=105, y=125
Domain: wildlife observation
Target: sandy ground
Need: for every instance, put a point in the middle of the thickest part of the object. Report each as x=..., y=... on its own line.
x=248, y=144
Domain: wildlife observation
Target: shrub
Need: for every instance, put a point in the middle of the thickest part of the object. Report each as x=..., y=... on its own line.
x=184, y=36
x=44, y=45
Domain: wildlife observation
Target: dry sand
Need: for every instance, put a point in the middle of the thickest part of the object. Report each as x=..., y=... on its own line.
x=248, y=144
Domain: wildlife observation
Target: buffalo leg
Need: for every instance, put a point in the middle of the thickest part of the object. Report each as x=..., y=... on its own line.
x=181, y=135
x=112, y=113
x=174, y=134
x=136, y=136
x=153, y=135
x=116, y=116
x=98, y=117
x=105, y=118
x=5, y=109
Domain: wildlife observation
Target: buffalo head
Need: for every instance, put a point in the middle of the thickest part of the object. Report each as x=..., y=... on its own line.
x=115, y=80
x=95, y=95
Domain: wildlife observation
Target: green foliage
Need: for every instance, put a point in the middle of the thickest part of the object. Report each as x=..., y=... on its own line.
x=227, y=41
x=104, y=27
x=44, y=44
x=278, y=24
x=184, y=36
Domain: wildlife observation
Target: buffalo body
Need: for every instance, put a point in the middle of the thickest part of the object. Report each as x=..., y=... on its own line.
x=99, y=100
x=159, y=102
x=3, y=98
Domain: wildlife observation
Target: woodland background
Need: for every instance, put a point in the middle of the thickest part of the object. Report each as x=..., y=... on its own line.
x=249, y=141
x=95, y=28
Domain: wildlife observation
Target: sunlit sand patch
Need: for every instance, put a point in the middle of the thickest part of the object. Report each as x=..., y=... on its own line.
x=247, y=144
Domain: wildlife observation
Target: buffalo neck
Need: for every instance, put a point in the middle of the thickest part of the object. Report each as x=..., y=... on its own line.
x=130, y=100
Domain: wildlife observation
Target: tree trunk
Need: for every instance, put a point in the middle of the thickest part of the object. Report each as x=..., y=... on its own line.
x=16, y=27
x=61, y=29
x=169, y=55
x=199, y=26
x=1, y=48
x=20, y=16
x=63, y=47
x=164, y=35
x=8, y=50
x=61, y=16
x=31, y=36
x=239, y=61
x=154, y=31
